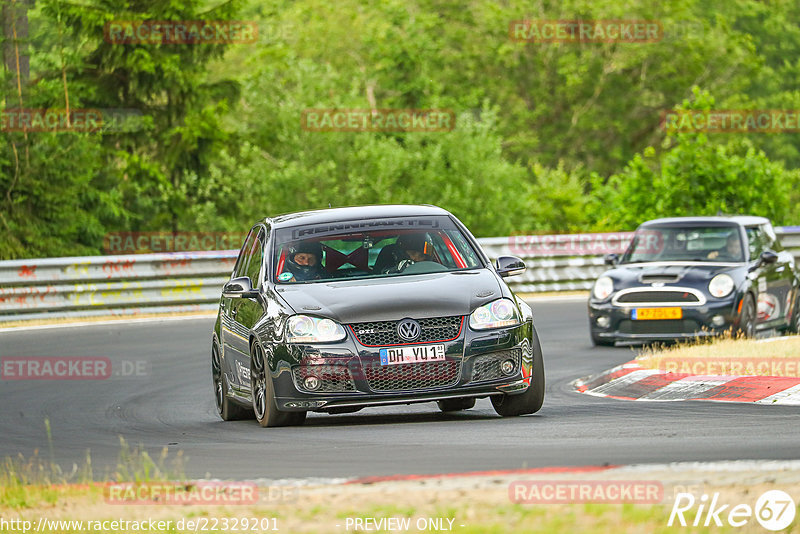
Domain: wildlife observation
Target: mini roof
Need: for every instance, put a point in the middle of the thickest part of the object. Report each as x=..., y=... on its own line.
x=742, y=220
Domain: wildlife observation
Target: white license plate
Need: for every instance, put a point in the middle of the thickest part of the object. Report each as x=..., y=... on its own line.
x=423, y=353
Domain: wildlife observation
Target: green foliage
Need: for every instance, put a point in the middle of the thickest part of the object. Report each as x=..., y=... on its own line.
x=694, y=177
x=550, y=136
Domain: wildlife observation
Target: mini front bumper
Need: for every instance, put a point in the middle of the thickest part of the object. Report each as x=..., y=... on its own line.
x=714, y=317
x=352, y=376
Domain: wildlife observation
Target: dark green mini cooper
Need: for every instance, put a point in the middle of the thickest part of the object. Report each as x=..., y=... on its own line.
x=696, y=276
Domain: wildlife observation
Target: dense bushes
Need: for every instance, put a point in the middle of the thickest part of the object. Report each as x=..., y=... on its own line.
x=549, y=137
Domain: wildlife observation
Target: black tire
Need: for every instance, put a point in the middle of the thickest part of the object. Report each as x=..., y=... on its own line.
x=600, y=342
x=264, y=405
x=794, y=326
x=747, y=318
x=530, y=401
x=227, y=409
x=456, y=405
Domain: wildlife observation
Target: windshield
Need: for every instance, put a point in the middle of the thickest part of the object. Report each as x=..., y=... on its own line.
x=712, y=244
x=370, y=249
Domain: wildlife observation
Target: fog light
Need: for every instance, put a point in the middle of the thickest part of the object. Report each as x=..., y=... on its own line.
x=718, y=320
x=312, y=383
x=507, y=367
x=603, y=321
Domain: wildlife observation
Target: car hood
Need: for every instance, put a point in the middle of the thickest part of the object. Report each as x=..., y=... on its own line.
x=672, y=273
x=418, y=296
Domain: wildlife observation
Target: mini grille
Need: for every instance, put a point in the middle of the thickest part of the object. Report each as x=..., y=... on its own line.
x=384, y=333
x=334, y=378
x=658, y=296
x=412, y=376
x=666, y=326
x=487, y=366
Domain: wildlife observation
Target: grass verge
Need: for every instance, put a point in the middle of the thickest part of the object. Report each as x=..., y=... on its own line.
x=728, y=356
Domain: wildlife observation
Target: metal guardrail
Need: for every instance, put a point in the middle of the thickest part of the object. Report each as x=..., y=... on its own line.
x=112, y=285
x=191, y=281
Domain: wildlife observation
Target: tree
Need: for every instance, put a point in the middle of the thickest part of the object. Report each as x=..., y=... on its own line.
x=695, y=176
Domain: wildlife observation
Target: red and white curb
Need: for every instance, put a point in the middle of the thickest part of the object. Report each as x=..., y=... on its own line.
x=630, y=381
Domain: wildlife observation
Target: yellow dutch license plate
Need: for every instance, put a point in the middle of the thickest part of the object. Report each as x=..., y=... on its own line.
x=650, y=314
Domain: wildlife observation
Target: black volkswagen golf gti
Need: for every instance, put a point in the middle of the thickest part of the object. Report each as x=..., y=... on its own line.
x=339, y=309
x=684, y=277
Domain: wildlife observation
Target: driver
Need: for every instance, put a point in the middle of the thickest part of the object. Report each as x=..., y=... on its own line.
x=732, y=250
x=304, y=262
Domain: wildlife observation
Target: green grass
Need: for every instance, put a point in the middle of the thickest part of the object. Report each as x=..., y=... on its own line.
x=33, y=481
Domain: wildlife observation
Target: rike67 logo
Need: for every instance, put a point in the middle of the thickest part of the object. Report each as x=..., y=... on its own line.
x=774, y=510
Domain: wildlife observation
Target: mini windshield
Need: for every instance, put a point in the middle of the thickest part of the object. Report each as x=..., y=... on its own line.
x=370, y=249
x=696, y=243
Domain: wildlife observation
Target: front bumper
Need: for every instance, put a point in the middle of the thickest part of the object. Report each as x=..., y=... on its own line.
x=352, y=376
x=697, y=321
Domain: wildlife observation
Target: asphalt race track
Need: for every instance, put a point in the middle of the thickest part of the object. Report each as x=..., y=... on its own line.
x=171, y=405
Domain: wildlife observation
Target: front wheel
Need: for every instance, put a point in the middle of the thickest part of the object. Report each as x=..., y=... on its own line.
x=530, y=401
x=264, y=404
x=456, y=405
x=747, y=319
x=600, y=342
x=794, y=327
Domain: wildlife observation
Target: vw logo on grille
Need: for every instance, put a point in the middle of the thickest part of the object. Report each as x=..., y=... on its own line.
x=408, y=330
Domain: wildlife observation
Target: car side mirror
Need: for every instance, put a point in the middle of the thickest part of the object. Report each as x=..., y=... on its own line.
x=509, y=266
x=238, y=288
x=611, y=259
x=766, y=258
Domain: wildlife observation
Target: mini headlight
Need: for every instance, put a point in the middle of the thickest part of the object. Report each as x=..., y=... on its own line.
x=305, y=329
x=720, y=286
x=495, y=314
x=603, y=288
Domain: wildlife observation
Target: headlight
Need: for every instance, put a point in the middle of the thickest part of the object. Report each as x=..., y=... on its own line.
x=720, y=286
x=305, y=329
x=603, y=288
x=495, y=314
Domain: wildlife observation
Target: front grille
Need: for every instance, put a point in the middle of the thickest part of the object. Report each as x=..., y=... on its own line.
x=487, y=366
x=667, y=326
x=658, y=296
x=414, y=376
x=334, y=378
x=382, y=333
